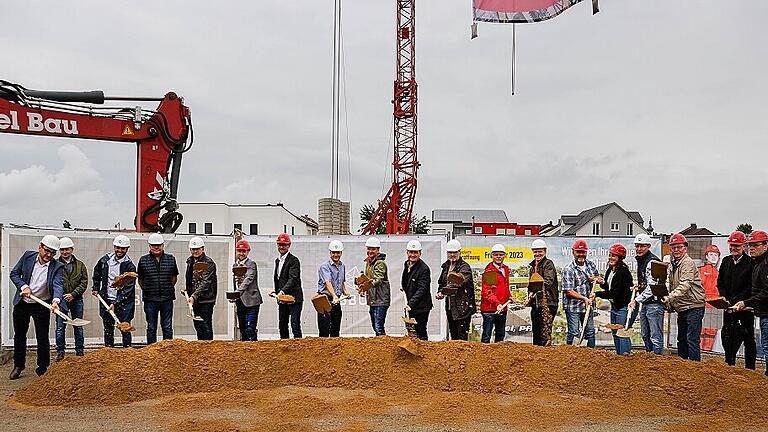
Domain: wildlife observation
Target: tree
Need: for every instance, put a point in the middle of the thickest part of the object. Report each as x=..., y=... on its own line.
x=745, y=228
x=419, y=225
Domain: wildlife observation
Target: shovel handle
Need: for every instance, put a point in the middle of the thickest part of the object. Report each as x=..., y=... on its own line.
x=50, y=308
x=191, y=311
x=106, y=306
x=405, y=305
x=584, y=324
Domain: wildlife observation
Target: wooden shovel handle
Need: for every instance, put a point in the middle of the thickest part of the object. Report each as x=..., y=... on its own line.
x=50, y=308
x=106, y=306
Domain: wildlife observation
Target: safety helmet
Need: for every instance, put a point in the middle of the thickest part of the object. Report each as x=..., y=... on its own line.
x=413, y=245
x=155, y=239
x=284, y=239
x=678, y=239
x=539, y=244
x=335, y=246
x=65, y=243
x=580, y=245
x=50, y=241
x=737, y=238
x=373, y=242
x=498, y=247
x=643, y=239
x=196, y=243
x=712, y=248
x=122, y=241
x=619, y=250
x=757, y=237
x=453, y=246
x=243, y=245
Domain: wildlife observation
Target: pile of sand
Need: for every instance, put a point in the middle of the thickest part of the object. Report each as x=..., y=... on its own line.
x=559, y=383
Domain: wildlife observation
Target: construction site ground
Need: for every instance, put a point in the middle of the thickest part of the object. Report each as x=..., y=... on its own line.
x=370, y=384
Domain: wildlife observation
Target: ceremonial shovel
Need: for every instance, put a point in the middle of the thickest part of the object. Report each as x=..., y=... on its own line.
x=77, y=322
x=191, y=313
x=410, y=327
x=586, y=315
x=122, y=326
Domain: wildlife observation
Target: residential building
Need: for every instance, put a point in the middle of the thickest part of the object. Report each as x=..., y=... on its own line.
x=504, y=228
x=459, y=221
x=607, y=220
x=251, y=219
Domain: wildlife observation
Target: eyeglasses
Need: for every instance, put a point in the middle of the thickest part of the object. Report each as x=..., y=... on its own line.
x=49, y=251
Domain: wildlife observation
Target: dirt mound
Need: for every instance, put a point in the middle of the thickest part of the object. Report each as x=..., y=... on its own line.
x=595, y=383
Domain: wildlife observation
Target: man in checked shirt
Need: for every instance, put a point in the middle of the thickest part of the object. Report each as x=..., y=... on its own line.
x=578, y=277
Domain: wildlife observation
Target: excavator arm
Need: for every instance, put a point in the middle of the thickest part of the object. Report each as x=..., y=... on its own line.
x=162, y=136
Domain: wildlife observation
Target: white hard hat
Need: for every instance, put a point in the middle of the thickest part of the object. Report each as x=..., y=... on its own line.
x=196, y=243
x=643, y=239
x=413, y=245
x=50, y=241
x=539, y=244
x=155, y=239
x=373, y=242
x=498, y=247
x=66, y=242
x=122, y=241
x=335, y=246
x=453, y=246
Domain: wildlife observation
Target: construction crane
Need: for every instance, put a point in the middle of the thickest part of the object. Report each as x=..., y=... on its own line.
x=396, y=208
x=162, y=136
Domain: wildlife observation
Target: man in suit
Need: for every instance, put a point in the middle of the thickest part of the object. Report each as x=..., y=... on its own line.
x=415, y=283
x=250, y=300
x=38, y=274
x=288, y=281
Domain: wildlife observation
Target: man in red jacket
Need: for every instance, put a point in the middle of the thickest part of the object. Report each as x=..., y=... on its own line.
x=494, y=295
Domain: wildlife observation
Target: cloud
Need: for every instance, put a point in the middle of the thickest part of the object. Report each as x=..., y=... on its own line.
x=42, y=195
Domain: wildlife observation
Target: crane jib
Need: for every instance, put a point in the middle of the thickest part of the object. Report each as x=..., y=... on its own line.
x=36, y=122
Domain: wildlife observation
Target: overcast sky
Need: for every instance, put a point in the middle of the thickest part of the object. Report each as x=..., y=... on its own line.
x=653, y=104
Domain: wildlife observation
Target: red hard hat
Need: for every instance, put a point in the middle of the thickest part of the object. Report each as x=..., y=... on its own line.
x=580, y=245
x=757, y=237
x=712, y=248
x=678, y=239
x=619, y=250
x=283, y=239
x=737, y=238
x=243, y=245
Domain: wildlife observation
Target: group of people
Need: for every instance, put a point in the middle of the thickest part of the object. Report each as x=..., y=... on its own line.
x=62, y=282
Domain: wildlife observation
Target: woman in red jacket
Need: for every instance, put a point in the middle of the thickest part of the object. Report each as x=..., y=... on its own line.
x=494, y=295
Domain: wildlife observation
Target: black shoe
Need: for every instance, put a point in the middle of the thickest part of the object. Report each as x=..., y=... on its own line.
x=15, y=373
x=80, y=354
x=40, y=371
x=59, y=356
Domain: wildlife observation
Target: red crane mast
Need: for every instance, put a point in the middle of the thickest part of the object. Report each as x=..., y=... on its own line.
x=396, y=208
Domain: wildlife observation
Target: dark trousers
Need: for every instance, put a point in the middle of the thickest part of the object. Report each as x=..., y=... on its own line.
x=738, y=328
x=165, y=310
x=329, y=325
x=290, y=312
x=538, y=326
x=689, y=333
x=421, y=324
x=493, y=323
x=109, y=327
x=22, y=312
x=247, y=321
x=76, y=310
x=459, y=329
x=204, y=328
x=378, y=317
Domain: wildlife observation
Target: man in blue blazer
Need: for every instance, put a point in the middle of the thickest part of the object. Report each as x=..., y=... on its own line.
x=39, y=274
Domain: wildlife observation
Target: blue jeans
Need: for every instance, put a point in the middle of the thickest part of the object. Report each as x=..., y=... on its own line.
x=493, y=323
x=247, y=321
x=574, y=320
x=76, y=311
x=151, y=310
x=378, y=316
x=204, y=328
x=689, y=333
x=652, y=327
x=764, y=340
x=622, y=345
x=290, y=313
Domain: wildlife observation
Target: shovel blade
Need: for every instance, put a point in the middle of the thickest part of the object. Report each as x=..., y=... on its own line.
x=77, y=322
x=409, y=346
x=195, y=318
x=125, y=327
x=625, y=333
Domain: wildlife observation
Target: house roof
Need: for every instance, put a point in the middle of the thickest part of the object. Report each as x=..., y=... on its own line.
x=468, y=215
x=694, y=230
x=587, y=215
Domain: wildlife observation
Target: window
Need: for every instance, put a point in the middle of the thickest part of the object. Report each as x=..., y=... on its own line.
x=596, y=228
x=192, y=228
x=254, y=229
x=499, y=231
x=478, y=230
x=614, y=226
x=630, y=229
x=208, y=228
x=527, y=232
x=285, y=229
x=511, y=231
x=292, y=230
x=239, y=227
x=469, y=231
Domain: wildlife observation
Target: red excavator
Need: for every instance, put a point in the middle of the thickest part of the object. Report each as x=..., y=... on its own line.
x=162, y=136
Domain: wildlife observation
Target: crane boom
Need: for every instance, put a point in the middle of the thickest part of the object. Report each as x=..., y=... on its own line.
x=396, y=208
